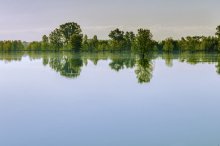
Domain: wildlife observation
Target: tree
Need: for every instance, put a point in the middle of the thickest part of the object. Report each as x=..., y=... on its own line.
x=143, y=41
x=64, y=36
x=129, y=38
x=76, y=42
x=68, y=30
x=117, y=39
x=94, y=43
x=218, y=32
x=56, y=39
x=209, y=44
x=34, y=46
x=117, y=35
x=191, y=43
x=45, y=42
x=168, y=45
x=218, y=35
x=85, y=44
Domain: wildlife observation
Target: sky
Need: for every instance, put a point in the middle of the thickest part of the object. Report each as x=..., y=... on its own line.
x=28, y=20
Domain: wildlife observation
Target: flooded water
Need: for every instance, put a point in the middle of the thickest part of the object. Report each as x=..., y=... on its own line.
x=109, y=99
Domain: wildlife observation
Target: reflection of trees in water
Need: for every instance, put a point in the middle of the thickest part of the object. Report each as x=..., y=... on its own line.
x=195, y=58
x=144, y=70
x=11, y=56
x=68, y=67
x=218, y=65
x=143, y=66
x=168, y=57
x=69, y=64
x=218, y=68
x=120, y=62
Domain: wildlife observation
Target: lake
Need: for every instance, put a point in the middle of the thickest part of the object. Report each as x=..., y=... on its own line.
x=109, y=99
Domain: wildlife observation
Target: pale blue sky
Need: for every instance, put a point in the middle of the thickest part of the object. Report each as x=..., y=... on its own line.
x=29, y=20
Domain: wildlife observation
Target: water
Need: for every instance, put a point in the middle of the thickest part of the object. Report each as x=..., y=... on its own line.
x=107, y=99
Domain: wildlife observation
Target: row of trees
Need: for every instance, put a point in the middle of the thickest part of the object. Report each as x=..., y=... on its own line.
x=192, y=44
x=69, y=37
x=11, y=46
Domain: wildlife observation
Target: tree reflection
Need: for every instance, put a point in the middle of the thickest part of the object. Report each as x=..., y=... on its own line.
x=70, y=65
x=144, y=69
x=120, y=64
x=11, y=56
x=218, y=65
x=168, y=57
x=67, y=67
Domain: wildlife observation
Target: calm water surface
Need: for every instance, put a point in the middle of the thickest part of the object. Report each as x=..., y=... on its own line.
x=64, y=99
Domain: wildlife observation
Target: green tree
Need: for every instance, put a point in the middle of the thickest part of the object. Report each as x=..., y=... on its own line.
x=117, y=35
x=66, y=36
x=76, y=42
x=117, y=39
x=143, y=42
x=218, y=35
x=129, y=38
x=45, y=43
x=218, y=31
x=34, y=46
x=94, y=43
x=191, y=44
x=85, y=44
x=168, y=45
x=56, y=39
x=209, y=44
x=68, y=30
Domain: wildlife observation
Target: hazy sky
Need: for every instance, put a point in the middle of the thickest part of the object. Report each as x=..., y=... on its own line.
x=30, y=19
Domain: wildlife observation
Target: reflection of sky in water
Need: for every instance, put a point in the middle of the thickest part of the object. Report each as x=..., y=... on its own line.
x=179, y=107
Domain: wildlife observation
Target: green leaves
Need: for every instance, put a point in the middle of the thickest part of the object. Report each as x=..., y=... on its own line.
x=67, y=36
x=143, y=41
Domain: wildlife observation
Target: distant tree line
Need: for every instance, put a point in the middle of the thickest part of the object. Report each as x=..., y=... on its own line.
x=11, y=46
x=69, y=37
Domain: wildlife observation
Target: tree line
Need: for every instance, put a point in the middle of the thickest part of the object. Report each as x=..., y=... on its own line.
x=69, y=37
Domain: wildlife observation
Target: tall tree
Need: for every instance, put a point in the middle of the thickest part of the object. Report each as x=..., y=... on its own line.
x=69, y=29
x=218, y=35
x=143, y=41
x=129, y=37
x=45, y=42
x=117, y=35
x=94, y=43
x=76, y=42
x=168, y=45
x=64, y=36
x=218, y=31
x=117, y=39
x=56, y=39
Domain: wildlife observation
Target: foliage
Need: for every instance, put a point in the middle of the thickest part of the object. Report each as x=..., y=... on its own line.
x=168, y=45
x=143, y=41
x=218, y=31
x=69, y=37
x=11, y=46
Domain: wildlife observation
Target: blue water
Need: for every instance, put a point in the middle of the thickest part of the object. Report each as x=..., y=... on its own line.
x=178, y=105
